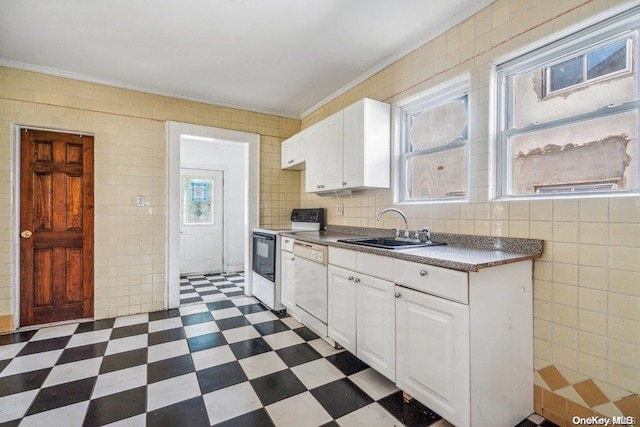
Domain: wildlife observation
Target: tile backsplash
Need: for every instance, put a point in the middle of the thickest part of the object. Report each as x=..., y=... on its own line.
x=130, y=159
x=587, y=283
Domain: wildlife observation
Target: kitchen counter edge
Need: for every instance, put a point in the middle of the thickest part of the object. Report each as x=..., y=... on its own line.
x=453, y=257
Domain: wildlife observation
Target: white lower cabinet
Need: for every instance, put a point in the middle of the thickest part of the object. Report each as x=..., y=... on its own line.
x=342, y=307
x=432, y=357
x=376, y=332
x=459, y=342
x=362, y=317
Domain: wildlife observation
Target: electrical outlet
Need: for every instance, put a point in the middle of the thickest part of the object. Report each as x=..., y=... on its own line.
x=340, y=210
x=140, y=201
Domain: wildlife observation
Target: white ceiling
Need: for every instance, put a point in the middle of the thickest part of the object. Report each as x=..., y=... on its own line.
x=275, y=56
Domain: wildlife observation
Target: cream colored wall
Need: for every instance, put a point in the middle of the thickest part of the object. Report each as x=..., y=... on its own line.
x=587, y=283
x=130, y=150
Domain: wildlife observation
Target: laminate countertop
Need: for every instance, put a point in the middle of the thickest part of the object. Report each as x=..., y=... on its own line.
x=461, y=252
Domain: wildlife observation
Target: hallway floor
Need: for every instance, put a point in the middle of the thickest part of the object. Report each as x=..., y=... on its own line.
x=210, y=287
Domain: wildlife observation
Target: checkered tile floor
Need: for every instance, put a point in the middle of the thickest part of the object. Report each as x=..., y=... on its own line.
x=210, y=287
x=227, y=363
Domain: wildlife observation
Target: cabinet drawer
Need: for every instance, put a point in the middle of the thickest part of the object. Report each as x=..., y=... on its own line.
x=450, y=284
x=342, y=258
x=287, y=244
x=375, y=265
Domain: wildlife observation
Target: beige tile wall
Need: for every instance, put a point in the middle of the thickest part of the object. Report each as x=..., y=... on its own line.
x=130, y=152
x=587, y=284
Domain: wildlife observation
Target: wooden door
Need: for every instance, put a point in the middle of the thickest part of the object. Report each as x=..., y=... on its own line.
x=56, y=224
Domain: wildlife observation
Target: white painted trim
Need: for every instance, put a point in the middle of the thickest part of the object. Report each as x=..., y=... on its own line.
x=174, y=131
x=115, y=83
x=16, y=225
x=455, y=19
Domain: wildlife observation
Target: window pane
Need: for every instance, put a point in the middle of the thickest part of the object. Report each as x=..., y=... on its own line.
x=197, y=201
x=565, y=74
x=438, y=126
x=439, y=174
x=607, y=60
x=601, y=153
x=530, y=105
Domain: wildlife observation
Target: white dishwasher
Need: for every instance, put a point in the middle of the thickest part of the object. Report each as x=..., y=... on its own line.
x=311, y=285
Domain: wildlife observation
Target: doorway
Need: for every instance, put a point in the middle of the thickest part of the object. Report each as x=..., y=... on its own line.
x=177, y=135
x=56, y=281
x=201, y=221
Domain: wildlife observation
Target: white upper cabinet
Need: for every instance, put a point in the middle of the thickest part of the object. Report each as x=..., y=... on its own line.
x=292, y=155
x=367, y=145
x=349, y=150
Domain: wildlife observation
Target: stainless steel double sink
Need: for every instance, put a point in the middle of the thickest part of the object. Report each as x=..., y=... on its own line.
x=388, y=243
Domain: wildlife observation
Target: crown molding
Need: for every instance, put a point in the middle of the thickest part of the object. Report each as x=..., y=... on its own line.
x=114, y=83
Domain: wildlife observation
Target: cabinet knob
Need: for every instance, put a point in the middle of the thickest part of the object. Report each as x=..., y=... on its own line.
x=344, y=182
x=320, y=186
x=356, y=280
x=293, y=259
x=423, y=272
x=350, y=277
x=398, y=294
x=290, y=161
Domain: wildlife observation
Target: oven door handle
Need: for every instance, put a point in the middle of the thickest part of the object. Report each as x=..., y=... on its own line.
x=262, y=237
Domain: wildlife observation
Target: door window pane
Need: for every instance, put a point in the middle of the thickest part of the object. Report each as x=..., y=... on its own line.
x=197, y=203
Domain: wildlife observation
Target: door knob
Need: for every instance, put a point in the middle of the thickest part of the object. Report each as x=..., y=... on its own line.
x=26, y=234
x=398, y=294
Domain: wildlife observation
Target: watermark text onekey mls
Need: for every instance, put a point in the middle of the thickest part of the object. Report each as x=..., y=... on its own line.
x=604, y=421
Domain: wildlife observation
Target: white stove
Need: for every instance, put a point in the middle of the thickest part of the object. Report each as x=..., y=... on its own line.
x=266, y=249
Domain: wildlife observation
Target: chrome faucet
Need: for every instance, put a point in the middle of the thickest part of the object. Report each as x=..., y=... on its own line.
x=404, y=217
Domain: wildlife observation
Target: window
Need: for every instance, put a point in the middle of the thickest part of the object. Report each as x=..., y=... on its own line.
x=434, y=145
x=605, y=61
x=568, y=115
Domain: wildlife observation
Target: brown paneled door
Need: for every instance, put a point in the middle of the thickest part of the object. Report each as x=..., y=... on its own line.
x=56, y=224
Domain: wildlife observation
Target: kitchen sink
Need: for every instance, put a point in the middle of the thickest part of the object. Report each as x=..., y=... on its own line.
x=388, y=243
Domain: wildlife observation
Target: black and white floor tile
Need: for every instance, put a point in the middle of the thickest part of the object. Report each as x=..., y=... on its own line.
x=227, y=363
x=223, y=363
x=211, y=287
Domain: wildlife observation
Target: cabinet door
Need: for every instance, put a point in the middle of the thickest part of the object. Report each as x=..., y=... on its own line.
x=353, y=167
x=376, y=324
x=313, y=147
x=286, y=153
x=332, y=138
x=342, y=307
x=287, y=280
x=433, y=353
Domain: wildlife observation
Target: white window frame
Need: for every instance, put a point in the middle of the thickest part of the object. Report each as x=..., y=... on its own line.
x=624, y=25
x=430, y=98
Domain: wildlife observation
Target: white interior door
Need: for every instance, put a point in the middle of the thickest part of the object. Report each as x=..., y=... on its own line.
x=201, y=215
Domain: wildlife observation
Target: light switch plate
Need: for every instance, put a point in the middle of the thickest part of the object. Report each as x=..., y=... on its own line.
x=140, y=201
x=340, y=210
